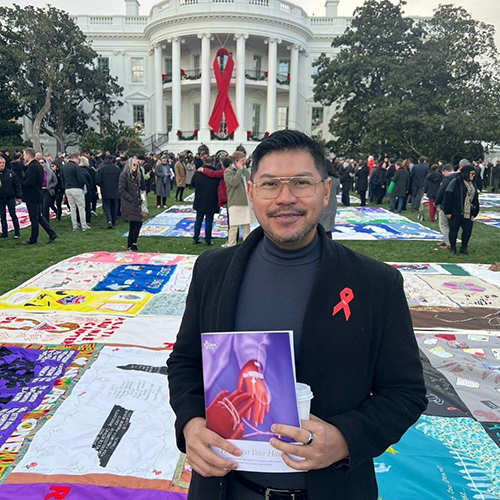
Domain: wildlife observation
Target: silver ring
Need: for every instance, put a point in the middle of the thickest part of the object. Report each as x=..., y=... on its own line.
x=311, y=439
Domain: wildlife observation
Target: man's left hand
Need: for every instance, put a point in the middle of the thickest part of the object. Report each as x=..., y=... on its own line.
x=328, y=446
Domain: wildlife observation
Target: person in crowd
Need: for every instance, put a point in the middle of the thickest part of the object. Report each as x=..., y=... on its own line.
x=10, y=193
x=49, y=187
x=107, y=177
x=74, y=183
x=448, y=175
x=400, y=187
x=56, y=206
x=361, y=181
x=417, y=175
x=32, y=195
x=130, y=185
x=461, y=206
x=162, y=174
x=330, y=211
x=88, y=190
x=431, y=188
x=180, y=177
x=371, y=163
x=190, y=170
x=391, y=171
x=238, y=205
x=381, y=171
x=495, y=176
x=206, y=199
x=149, y=170
x=289, y=276
x=478, y=178
x=374, y=183
x=346, y=181
x=17, y=166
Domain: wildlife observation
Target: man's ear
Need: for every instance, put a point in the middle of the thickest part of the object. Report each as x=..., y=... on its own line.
x=327, y=191
x=250, y=192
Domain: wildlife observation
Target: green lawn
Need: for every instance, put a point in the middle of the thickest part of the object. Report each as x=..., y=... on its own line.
x=19, y=262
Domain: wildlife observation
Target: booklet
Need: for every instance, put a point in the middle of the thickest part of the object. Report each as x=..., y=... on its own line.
x=249, y=380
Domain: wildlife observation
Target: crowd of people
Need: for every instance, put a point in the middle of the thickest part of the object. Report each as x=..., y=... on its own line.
x=123, y=184
x=451, y=194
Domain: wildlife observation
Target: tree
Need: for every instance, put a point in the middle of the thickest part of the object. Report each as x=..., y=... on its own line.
x=10, y=131
x=53, y=72
x=425, y=89
x=115, y=137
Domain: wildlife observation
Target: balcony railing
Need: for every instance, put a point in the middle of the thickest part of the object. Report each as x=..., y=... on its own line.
x=250, y=74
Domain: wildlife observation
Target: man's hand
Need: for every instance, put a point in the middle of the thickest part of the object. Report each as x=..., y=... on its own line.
x=328, y=446
x=200, y=169
x=448, y=216
x=472, y=219
x=203, y=460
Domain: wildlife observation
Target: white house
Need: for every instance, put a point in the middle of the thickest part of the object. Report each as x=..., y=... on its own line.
x=165, y=63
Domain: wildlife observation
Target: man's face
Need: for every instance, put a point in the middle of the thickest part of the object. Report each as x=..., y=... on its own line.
x=289, y=222
x=27, y=157
x=164, y=161
x=2, y=164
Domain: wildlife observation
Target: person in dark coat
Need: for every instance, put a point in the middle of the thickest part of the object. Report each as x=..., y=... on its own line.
x=495, y=177
x=32, y=195
x=361, y=181
x=56, y=206
x=417, y=177
x=431, y=188
x=206, y=200
x=448, y=175
x=107, y=177
x=10, y=191
x=17, y=167
x=400, y=189
x=361, y=360
x=346, y=181
x=461, y=206
x=130, y=185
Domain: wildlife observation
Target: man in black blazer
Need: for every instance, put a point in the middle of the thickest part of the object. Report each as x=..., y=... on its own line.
x=353, y=339
x=33, y=197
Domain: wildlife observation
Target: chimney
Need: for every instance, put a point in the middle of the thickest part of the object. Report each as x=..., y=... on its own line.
x=331, y=8
x=132, y=7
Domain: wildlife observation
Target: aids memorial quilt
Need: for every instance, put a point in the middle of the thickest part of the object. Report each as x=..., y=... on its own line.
x=489, y=200
x=24, y=218
x=84, y=401
x=489, y=218
x=352, y=223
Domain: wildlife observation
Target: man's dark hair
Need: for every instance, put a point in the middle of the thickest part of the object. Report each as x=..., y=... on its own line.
x=448, y=168
x=30, y=152
x=289, y=140
x=209, y=160
x=422, y=159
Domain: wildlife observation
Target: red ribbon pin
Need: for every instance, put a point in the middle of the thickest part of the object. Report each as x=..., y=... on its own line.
x=346, y=296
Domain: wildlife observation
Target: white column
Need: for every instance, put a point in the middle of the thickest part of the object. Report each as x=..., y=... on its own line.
x=271, y=84
x=158, y=86
x=241, y=133
x=294, y=88
x=204, y=132
x=176, y=89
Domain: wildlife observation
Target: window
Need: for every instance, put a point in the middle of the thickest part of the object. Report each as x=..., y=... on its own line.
x=317, y=122
x=196, y=110
x=169, y=118
x=282, y=118
x=257, y=64
x=139, y=121
x=137, y=64
x=256, y=119
x=103, y=64
x=196, y=62
x=168, y=66
x=284, y=67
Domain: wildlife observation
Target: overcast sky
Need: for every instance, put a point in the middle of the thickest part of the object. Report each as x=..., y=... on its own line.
x=483, y=10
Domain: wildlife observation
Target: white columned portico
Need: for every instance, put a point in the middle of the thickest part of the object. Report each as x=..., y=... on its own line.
x=294, y=88
x=176, y=88
x=271, y=84
x=241, y=134
x=158, y=86
x=204, y=132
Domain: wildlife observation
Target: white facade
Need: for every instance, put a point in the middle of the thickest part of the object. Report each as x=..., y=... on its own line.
x=164, y=62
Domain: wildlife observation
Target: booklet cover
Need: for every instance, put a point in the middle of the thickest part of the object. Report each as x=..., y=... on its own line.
x=249, y=380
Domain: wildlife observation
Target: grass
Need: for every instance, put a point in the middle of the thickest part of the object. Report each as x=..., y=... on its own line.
x=19, y=262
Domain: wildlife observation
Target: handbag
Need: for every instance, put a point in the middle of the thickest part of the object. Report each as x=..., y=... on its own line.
x=144, y=205
x=391, y=187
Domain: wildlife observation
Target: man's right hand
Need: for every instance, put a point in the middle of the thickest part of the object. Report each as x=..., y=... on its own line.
x=201, y=458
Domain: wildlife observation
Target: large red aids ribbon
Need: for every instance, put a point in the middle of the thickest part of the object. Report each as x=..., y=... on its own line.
x=346, y=296
x=223, y=103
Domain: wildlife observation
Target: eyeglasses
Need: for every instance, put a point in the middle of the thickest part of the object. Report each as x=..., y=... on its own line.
x=300, y=187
